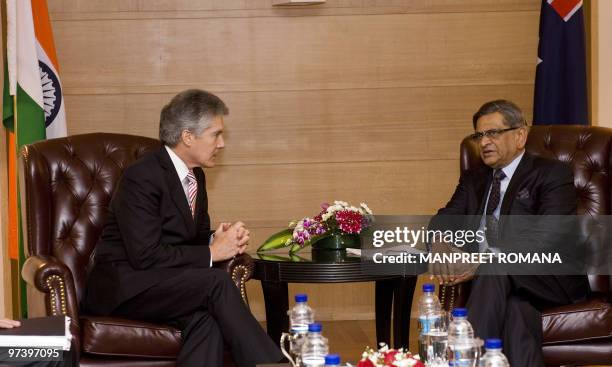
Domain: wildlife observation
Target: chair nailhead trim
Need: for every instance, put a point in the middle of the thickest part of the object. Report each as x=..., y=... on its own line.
x=54, y=295
x=241, y=281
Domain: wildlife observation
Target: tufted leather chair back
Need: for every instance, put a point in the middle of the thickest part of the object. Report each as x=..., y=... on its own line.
x=69, y=183
x=588, y=150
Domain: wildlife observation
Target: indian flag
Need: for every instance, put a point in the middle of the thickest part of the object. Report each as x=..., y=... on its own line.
x=33, y=107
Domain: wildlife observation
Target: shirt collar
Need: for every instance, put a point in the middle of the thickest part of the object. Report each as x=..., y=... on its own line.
x=180, y=166
x=511, y=168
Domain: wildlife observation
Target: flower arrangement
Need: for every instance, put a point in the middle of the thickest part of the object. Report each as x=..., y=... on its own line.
x=337, y=218
x=385, y=357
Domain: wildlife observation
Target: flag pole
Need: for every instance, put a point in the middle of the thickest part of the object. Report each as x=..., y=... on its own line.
x=18, y=306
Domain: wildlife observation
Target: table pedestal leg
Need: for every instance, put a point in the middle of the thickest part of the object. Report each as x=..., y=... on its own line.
x=398, y=292
x=383, y=297
x=276, y=299
x=402, y=304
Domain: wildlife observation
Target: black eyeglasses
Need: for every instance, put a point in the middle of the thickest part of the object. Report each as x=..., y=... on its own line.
x=491, y=134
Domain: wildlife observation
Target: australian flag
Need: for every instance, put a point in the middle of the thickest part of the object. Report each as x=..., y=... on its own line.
x=560, y=85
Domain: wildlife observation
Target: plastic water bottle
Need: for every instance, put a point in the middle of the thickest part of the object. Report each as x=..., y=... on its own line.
x=300, y=316
x=493, y=356
x=315, y=347
x=464, y=349
x=429, y=308
x=332, y=360
x=432, y=328
x=460, y=327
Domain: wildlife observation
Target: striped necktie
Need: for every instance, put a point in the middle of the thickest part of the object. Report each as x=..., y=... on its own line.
x=193, y=191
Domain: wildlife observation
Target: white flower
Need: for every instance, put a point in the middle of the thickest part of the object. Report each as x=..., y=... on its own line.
x=365, y=208
x=331, y=210
x=404, y=363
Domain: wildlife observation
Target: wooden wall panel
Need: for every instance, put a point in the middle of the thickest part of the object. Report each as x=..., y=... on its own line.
x=360, y=100
x=140, y=9
x=385, y=124
x=246, y=54
x=283, y=192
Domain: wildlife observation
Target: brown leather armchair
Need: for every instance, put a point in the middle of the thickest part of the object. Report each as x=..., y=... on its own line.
x=66, y=186
x=578, y=334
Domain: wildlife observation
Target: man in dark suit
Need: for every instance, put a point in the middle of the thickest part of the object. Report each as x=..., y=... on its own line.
x=513, y=182
x=154, y=259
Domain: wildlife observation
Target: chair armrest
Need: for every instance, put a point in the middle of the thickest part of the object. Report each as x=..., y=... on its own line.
x=53, y=278
x=240, y=268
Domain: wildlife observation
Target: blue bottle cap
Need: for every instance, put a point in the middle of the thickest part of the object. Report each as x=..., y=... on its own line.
x=460, y=312
x=332, y=359
x=315, y=327
x=428, y=287
x=493, y=344
x=301, y=297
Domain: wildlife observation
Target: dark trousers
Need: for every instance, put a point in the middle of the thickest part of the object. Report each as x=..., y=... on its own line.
x=206, y=305
x=508, y=307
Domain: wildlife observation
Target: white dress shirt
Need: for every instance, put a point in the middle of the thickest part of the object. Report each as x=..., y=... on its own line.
x=181, y=169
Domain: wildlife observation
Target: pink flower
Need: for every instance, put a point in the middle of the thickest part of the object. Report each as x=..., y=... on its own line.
x=385, y=357
x=365, y=363
x=324, y=206
x=349, y=221
x=390, y=356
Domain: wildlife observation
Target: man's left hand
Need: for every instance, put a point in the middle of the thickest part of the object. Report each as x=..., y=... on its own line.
x=451, y=273
x=242, y=234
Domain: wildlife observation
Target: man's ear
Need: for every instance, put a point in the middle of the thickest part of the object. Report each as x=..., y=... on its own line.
x=522, y=136
x=186, y=137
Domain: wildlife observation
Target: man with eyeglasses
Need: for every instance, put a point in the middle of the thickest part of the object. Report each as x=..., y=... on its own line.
x=513, y=182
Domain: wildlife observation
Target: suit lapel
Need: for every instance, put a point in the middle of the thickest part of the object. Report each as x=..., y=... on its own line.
x=523, y=169
x=176, y=189
x=482, y=189
x=200, y=199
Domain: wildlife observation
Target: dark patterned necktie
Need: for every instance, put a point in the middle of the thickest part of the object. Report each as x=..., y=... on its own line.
x=492, y=204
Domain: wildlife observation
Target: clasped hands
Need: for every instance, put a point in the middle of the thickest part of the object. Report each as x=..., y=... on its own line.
x=230, y=240
x=450, y=273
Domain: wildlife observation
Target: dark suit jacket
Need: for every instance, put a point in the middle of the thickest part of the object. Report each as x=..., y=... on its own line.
x=539, y=186
x=150, y=234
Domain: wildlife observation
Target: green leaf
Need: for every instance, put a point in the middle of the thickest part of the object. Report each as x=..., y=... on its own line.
x=295, y=248
x=274, y=257
x=296, y=259
x=277, y=240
